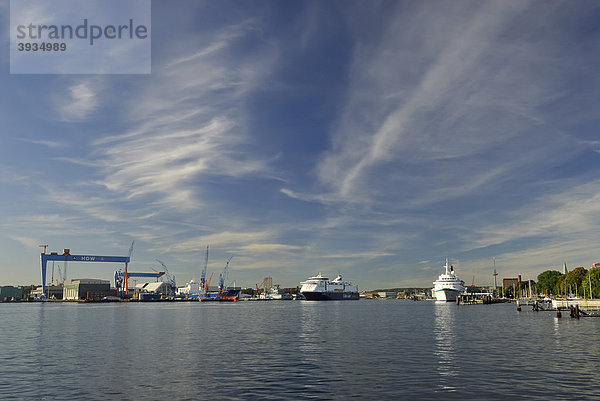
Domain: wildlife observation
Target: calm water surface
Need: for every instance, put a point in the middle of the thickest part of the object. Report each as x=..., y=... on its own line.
x=376, y=350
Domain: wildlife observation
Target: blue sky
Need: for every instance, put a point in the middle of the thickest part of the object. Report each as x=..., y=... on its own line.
x=372, y=139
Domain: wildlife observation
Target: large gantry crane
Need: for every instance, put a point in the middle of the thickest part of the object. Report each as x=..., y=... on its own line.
x=67, y=257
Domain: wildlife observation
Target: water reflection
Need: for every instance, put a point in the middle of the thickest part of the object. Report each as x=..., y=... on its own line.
x=557, y=334
x=445, y=344
x=309, y=332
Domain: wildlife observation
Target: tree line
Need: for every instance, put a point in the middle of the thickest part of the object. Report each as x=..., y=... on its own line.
x=577, y=282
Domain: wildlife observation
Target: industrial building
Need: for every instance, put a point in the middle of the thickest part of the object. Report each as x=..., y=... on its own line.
x=10, y=293
x=86, y=288
x=152, y=291
x=52, y=291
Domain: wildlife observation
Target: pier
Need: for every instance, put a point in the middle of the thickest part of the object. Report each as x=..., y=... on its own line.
x=576, y=307
x=582, y=304
x=478, y=298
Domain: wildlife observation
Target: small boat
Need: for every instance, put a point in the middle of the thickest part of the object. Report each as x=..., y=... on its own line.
x=275, y=293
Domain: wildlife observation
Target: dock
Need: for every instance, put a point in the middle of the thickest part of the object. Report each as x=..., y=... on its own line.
x=483, y=298
x=583, y=304
x=576, y=307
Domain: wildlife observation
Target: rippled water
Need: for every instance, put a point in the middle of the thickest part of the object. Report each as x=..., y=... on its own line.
x=377, y=350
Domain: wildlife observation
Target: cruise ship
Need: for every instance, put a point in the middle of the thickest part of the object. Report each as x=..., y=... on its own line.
x=448, y=286
x=320, y=288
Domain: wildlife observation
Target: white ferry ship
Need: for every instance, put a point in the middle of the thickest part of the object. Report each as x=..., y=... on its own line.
x=448, y=286
x=320, y=288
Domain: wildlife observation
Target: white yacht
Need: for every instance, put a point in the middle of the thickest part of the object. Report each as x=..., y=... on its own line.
x=275, y=293
x=320, y=288
x=448, y=286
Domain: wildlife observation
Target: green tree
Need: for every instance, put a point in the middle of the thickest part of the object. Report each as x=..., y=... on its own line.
x=547, y=282
x=571, y=282
x=594, y=276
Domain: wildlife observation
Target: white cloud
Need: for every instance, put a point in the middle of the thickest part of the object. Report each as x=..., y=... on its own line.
x=270, y=248
x=571, y=213
x=188, y=122
x=429, y=93
x=225, y=239
x=81, y=101
x=44, y=142
x=359, y=255
x=26, y=241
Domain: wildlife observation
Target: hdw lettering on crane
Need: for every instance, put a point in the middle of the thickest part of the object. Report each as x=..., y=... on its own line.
x=86, y=258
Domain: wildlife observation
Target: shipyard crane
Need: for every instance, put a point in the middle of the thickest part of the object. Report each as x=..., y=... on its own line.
x=226, y=269
x=223, y=276
x=131, y=251
x=125, y=280
x=119, y=274
x=207, y=284
x=67, y=256
x=203, y=274
x=170, y=278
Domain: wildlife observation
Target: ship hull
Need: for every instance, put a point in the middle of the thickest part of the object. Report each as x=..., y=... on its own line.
x=228, y=295
x=446, y=295
x=330, y=296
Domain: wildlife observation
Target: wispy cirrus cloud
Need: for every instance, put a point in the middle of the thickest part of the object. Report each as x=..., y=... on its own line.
x=569, y=214
x=81, y=101
x=45, y=142
x=226, y=239
x=375, y=139
x=359, y=255
x=187, y=123
x=449, y=99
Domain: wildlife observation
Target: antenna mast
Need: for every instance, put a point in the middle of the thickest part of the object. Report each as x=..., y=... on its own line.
x=495, y=274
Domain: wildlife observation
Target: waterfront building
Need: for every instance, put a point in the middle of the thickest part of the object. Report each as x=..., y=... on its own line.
x=10, y=292
x=86, y=288
x=510, y=283
x=52, y=291
x=158, y=287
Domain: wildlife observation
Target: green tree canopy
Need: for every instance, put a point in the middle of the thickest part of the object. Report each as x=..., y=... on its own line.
x=594, y=275
x=572, y=281
x=547, y=281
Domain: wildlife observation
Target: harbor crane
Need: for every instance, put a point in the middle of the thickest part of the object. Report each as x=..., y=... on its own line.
x=170, y=278
x=66, y=256
x=119, y=277
x=203, y=273
x=224, y=276
x=207, y=284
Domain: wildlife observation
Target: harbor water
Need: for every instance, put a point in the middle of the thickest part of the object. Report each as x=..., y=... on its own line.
x=375, y=350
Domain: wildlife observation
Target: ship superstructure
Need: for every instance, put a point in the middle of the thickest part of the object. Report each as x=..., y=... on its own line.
x=448, y=286
x=320, y=288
